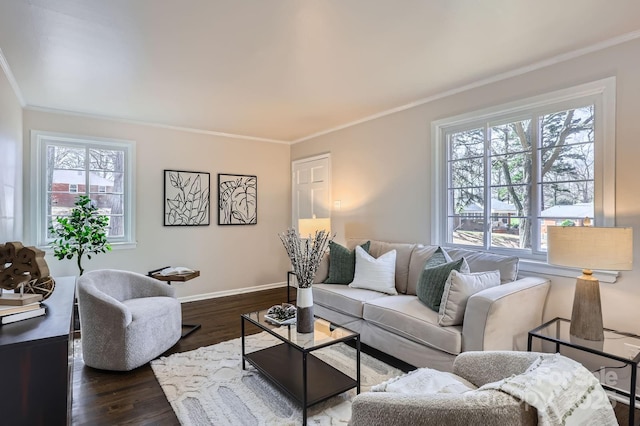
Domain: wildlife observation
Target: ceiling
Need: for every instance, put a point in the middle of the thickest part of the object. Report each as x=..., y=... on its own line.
x=281, y=69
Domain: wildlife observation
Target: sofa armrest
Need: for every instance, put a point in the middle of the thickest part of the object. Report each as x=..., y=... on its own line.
x=499, y=318
x=471, y=408
x=481, y=368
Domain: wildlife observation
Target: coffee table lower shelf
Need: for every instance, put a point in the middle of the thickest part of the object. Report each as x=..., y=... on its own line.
x=283, y=365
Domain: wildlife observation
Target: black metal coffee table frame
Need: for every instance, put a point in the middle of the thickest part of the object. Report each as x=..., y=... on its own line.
x=292, y=367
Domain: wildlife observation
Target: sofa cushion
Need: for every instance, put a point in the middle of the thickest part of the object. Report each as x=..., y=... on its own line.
x=480, y=261
x=343, y=299
x=342, y=263
x=457, y=290
x=408, y=317
x=323, y=270
x=403, y=257
x=419, y=258
x=431, y=284
x=375, y=274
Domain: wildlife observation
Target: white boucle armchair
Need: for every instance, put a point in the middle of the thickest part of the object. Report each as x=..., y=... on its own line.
x=127, y=319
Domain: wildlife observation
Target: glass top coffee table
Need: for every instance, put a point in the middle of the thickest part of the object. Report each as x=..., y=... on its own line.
x=291, y=366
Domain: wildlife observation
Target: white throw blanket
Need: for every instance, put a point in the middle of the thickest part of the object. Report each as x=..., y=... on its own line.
x=562, y=390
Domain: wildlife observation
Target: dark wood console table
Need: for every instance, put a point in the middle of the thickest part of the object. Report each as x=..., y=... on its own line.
x=37, y=359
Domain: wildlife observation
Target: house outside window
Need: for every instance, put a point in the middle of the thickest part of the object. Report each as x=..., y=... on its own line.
x=101, y=169
x=504, y=174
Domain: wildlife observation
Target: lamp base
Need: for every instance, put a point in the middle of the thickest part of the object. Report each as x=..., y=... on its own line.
x=586, y=317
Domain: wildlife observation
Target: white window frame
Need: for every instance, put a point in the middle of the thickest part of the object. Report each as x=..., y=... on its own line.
x=601, y=93
x=38, y=198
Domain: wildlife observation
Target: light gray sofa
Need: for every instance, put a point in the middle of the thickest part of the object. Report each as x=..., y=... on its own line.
x=496, y=318
x=127, y=319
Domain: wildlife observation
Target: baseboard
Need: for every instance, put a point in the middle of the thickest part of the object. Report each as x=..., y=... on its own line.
x=235, y=291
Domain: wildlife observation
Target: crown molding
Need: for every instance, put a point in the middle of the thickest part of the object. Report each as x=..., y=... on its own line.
x=499, y=77
x=12, y=80
x=151, y=124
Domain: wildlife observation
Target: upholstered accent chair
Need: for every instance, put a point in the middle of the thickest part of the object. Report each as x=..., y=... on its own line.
x=127, y=319
x=482, y=391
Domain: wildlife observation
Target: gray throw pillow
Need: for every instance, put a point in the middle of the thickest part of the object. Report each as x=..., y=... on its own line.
x=432, y=280
x=342, y=263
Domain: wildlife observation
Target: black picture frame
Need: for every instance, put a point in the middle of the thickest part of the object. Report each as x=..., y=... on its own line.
x=187, y=198
x=237, y=199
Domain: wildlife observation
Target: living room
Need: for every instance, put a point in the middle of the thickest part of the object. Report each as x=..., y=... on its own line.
x=381, y=160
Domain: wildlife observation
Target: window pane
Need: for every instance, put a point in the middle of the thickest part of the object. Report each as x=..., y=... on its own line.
x=567, y=127
x=106, y=160
x=510, y=180
x=467, y=229
x=568, y=196
x=469, y=143
x=566, y=169
x=64, y=157
x=467, y=201
x=505, y=231
x=116, y=227
x=111, y=205
x=467, y=173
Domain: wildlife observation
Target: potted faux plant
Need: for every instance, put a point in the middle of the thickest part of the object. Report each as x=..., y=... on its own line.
x=305, y=255
x=84, y=232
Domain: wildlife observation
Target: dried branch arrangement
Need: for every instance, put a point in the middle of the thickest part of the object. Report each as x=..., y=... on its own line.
x=305, y=254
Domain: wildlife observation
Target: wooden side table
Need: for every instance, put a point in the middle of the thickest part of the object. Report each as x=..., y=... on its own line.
x=190, y=328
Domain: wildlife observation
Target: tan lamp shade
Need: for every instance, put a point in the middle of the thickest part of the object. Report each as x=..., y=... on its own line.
x=307, y=227
x=589, y=248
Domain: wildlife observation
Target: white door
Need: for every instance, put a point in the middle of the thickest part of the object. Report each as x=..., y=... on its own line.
x=311, y=188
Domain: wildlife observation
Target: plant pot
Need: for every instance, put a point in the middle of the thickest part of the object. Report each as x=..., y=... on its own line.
x=304, y=311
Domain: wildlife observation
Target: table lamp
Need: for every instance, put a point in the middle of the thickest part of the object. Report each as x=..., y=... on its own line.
x=307, y=228
x=589, y=248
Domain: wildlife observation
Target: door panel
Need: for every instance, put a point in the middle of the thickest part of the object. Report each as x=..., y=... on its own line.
x=311, y=188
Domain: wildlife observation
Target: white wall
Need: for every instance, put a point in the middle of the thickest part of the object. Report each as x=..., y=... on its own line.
x=381, y=168
x=10, y=163
x=228, y=257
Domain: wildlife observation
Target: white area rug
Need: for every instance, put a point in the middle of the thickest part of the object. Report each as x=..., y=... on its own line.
x=207, y=386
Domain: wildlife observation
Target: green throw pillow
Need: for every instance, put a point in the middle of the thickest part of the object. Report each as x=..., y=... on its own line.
x=437, y=258
x=342, y=263
x=432, y=280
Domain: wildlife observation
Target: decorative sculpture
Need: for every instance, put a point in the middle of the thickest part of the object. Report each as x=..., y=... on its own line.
x=24, y=269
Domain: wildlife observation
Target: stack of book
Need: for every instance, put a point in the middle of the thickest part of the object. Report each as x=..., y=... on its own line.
x=9, y=314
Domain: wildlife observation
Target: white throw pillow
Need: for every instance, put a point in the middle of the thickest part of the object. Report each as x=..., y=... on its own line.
x=425, y=381
x=457, y=290
x=375, y=274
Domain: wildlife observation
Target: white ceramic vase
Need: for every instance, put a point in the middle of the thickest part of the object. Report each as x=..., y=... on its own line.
x=304, y=310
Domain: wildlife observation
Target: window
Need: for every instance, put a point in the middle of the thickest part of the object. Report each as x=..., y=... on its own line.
x=67, y=166
x=504, y=174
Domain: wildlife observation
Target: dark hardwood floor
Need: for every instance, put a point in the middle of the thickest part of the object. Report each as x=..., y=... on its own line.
x=135, y=397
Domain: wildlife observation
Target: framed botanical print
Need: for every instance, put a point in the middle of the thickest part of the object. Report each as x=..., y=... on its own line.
x=187, y=198
x=237, y=199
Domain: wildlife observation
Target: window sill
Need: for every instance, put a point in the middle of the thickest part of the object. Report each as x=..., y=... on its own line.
x=527, y=266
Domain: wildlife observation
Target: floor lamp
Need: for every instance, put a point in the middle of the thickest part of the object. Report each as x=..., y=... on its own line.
x=589, y=248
